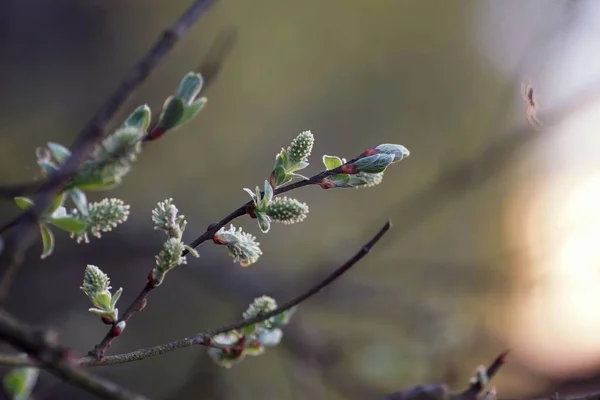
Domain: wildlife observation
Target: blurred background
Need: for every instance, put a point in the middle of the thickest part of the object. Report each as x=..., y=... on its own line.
x=496, y=224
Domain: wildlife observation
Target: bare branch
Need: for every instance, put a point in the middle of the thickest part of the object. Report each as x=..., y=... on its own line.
x=205, y=339
x=141, y=300
x=42, y=347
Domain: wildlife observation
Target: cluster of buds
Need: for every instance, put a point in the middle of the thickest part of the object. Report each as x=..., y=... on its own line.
x=181, y=107
x=366, y=170
x=242, y=246
x=165, y=218
x=96, y=285
x=268, y=209
x=253, y=339
x=295, y=158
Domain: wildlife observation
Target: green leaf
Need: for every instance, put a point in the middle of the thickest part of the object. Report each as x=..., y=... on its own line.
x=189, y=87
x=192, y=251
x=268, y=196
x=56, y=203
x=69, y=224
x=298, y=166
x=192, y=110
x=19, y=382
x=59, y=152
x=139, y=118
x=95, y=182
x=79, y=198
x=248, y=330
x=115, y=298
x=23, y=203
x=264, y=222
x=279, y=176
x=48, y=167
x=332, y=162
x=172, y=113
x=102, y=300
x=47, y=241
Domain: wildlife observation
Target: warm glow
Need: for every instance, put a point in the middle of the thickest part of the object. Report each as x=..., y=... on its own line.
x=557, y=326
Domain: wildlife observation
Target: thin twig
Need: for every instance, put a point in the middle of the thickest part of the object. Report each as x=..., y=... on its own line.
x=205, y=339
x=142, y=298
x=95, y=130
x=41, y=346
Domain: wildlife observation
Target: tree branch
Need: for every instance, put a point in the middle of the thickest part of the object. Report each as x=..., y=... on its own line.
x=142, y=298
x=205, y=339
x=93, y=132
x=42, y=347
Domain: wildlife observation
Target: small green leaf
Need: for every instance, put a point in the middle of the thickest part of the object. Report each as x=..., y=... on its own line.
x=95, y=182
x=268, y=196
x=139, y=118
x=264, y=222
x=59, y=152
x=47, y=240
x=192, y=110
x=97, y=311
x=19, y=382
x=48, y=167
x=192, y=251
x=189, y=87
x=115, y=298
x=23, y=203
x=79, y=198
x=280, y=160
x=69, y=224
x=172, y=113
x=279, y=176
x=332, y=162
x=102, y=300
x=56, y=203
x=248, y=330
x=298, y=166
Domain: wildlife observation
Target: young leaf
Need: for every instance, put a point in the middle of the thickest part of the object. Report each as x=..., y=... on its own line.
x=332, y=162
x=139, y=118
x=19, y=382
x=69, y=224
x=59, y=152
x=248, y=330
x=23, y=203
x=172, y=113
x=189, y=87
x=192, y=110
x=47, y=240
x=56, y=203
x=79, y=198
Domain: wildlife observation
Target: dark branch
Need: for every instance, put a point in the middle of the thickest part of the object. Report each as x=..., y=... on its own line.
x=140, y=301
x=41, y=346
x=92, y=133
x=205, y=339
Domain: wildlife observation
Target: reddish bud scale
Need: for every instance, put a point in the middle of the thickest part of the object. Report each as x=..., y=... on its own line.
x=349, y=169
x=250, y=210
x=327, y=184
x=106, y=320
x=220, y=240
x=116, y=331
x=156, y=133
x=239, y=347
x=272, y=179
x=370, y=152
